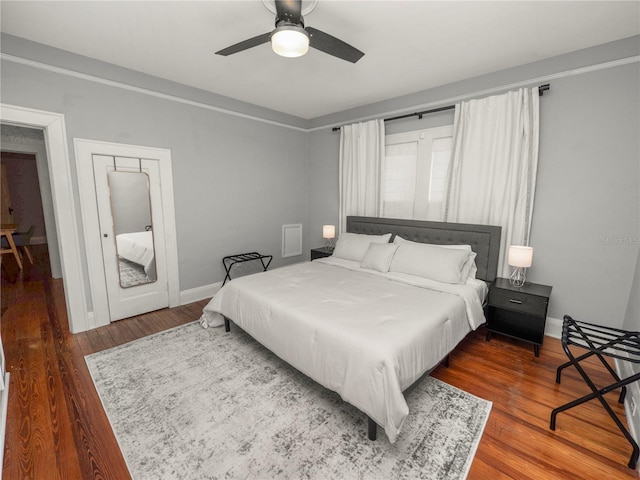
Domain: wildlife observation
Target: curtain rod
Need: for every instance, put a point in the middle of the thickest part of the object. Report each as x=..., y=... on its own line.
x=541, y=90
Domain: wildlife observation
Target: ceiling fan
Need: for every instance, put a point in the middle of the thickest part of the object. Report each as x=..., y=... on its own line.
x=292, y=39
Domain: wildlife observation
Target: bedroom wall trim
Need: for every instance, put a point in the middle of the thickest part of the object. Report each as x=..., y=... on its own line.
x=205, y=292
x=145, y=91
x=553, y=327
x=64, y=207
x=532, y=82
x=624, y=370
x=429, y=105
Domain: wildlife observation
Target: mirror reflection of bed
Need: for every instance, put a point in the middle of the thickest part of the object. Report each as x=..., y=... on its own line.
x=131, y=209
x=136, y=258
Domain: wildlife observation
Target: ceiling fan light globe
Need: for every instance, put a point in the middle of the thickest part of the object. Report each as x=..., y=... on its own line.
x=290, y=41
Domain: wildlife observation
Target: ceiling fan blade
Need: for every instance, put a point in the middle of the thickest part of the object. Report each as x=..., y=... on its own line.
x=289, y=11
x=333, y=46
x=245, y=44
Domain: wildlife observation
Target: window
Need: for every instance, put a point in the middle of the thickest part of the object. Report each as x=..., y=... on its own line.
x=414, y=173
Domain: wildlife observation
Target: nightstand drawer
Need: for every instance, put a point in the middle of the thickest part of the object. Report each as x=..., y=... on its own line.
x=517, y=325
x=518, y=302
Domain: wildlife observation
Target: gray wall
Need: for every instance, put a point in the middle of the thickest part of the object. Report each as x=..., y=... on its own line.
x=22, y=176
x=585, y=228
x=237, y=180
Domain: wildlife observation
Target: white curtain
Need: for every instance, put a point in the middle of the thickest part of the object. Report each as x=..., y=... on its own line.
x=492, y=173
x=361, y=153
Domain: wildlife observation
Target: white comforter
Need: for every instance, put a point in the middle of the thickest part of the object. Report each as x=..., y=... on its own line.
x=363, y=334
x=137, y=247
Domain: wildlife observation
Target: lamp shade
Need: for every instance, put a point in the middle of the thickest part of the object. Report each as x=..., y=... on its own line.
x=328, y=231
x=520, y=256
x=290, y=41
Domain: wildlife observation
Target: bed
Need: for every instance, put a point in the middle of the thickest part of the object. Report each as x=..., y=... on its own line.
x=368, y=327
x=137, y=247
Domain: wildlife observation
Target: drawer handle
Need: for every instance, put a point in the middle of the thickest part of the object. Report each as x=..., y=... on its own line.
x=519, y=302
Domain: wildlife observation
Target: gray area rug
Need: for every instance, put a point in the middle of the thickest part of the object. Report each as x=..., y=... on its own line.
x=190, y=403
x=131, y=273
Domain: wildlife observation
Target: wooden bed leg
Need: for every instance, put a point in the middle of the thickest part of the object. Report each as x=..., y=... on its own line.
x=227, y=325
x=373, y=429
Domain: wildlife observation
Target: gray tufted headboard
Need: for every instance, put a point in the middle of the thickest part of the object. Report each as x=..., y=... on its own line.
x=483, y=239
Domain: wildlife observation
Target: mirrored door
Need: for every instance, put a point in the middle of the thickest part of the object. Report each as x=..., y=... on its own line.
x=131, y=224
x=133, y=227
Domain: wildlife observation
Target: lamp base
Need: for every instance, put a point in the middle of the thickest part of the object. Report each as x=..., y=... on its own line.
x=328, y=244
x=518, y=277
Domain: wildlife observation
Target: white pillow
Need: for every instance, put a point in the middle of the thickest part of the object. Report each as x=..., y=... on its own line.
x=353, y=246
x=379, y=256
x=430, y=261
x=469, y=270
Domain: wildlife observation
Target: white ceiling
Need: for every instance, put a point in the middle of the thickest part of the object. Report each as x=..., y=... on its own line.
x=409, y=45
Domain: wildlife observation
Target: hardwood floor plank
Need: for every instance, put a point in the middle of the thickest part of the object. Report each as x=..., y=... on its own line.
x=45, y=423
x=83, y=343
x=95, y=340
x=544, y=448
x=138, y=328
x=57, y=428
x=99, y=456
x=517, y=440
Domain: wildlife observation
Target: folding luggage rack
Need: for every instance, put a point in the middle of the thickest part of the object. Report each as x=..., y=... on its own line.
x=231, y=260
x=600, y=341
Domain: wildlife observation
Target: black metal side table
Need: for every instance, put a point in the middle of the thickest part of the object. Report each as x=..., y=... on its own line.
x=599, y=340
x=230, y=260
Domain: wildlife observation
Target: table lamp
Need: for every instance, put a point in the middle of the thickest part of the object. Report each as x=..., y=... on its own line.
x=328, y=232
x=521, y=258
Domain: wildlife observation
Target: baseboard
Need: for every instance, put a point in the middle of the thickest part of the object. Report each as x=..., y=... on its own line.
x=38, y=241
x=86, y=323
x=199, y=293
x=553, y=328
x=624, y=370
x=186, y=297
x=4, y=403
x=91, y=323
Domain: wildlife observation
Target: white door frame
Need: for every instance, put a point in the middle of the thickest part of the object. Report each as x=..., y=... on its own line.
x=55, y=137
x=84, y=149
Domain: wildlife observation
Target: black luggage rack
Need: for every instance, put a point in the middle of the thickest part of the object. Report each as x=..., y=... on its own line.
x=599, y=340
x=231, y=260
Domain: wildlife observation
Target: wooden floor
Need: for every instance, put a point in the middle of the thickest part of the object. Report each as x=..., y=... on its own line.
x=57, y=428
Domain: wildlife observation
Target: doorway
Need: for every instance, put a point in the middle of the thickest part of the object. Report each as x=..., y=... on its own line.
x=60, y=183
x=24, y=153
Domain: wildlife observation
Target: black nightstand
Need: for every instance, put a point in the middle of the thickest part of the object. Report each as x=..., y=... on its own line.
x=321, y=252
x=519, y=312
